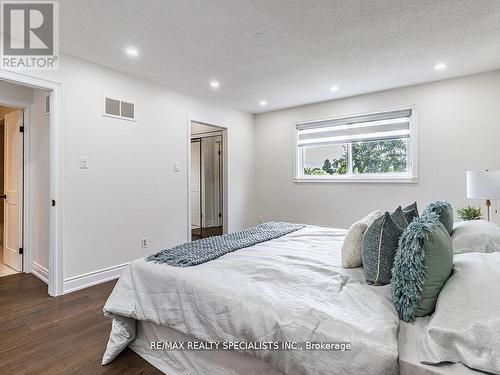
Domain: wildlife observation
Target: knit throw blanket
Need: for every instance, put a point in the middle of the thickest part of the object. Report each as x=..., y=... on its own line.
x=207, y=249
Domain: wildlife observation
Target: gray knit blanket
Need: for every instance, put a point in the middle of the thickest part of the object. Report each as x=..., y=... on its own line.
x=207, y=249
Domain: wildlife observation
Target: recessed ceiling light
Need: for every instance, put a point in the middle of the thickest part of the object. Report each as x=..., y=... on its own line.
x=263, y=103
x=334, y=88
x=440, y=66
x=131, y=51
x=214, y=84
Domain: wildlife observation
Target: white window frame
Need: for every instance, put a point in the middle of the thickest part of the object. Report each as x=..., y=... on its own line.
x=408, y=178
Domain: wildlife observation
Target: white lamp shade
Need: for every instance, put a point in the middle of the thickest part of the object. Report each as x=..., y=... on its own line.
x=483, y=184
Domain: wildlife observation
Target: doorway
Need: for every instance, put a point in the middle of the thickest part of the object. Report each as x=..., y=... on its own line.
x=11, y=190
x=207, y=181
x=43, y=185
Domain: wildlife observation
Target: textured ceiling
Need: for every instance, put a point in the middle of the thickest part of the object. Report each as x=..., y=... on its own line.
x=287, y=53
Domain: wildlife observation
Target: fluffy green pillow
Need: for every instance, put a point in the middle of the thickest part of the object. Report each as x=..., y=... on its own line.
x=445, y=212
x=422, y=265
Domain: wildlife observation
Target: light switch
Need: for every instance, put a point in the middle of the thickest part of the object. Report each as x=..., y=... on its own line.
x=177, y=166
x=83, y=162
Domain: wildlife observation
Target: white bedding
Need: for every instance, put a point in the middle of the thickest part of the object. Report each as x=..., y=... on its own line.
x=475, y=236
x=409, y=362
x=187, y=362
x=289, y=289
x=465, y=327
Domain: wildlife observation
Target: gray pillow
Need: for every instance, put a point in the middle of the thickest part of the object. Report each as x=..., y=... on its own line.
x=380, y=243
x=411, y=212
x=475, y=236
x=399, y=218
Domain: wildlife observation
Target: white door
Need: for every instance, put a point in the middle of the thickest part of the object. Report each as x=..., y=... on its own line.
x=13, y=193
x=195, y=184
x=207, y=184
x=217, y=181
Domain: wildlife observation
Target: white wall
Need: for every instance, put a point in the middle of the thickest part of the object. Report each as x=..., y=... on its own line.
x=11, y=93
x=458, y=130
x=130, y=189
x=40, y=164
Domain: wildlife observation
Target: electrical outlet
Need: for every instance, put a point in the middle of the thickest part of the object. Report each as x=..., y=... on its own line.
x=144, y=242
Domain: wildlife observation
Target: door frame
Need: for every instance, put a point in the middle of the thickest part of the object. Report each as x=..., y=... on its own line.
x=225, y=211
x=57, y=150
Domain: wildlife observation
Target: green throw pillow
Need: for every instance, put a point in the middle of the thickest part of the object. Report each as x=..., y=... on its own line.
x=445, y=212
x=380, y=243
x=423, y=264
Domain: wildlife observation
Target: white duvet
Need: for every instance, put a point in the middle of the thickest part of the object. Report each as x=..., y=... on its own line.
x=465, y=327
x=289, y=289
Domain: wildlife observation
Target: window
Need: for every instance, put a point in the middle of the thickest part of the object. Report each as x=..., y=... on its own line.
x=373, y=147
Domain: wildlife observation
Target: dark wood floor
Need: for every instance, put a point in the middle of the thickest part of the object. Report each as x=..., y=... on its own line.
x=64, y=335
x=199, y=233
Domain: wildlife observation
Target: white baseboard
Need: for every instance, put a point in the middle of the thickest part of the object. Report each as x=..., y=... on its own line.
x=86, y=280
x=40, y=271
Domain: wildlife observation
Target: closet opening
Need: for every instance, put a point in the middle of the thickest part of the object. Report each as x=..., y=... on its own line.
x=207, y=182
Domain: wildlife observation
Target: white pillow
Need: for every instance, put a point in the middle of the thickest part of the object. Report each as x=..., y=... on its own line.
x=352, y=247
x=475, y=236
x=465, y=327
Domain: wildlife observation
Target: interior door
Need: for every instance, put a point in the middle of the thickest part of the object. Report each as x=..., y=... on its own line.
x=13, y=190
x=217, y=181
x=195, y=184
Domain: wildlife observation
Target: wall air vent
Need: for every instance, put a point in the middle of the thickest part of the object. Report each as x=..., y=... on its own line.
x=120, y=109
x=112, y=107
x=127, y=110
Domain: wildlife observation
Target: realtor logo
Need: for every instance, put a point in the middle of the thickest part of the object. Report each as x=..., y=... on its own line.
x=29, y=35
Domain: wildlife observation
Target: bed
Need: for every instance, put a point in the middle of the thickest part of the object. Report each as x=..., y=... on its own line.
x=290, y=289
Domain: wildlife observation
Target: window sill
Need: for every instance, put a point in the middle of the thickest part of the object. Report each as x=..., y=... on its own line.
x=355, y=180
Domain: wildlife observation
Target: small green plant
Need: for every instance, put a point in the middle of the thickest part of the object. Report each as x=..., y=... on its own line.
x=314, y=172
x=469, y=213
